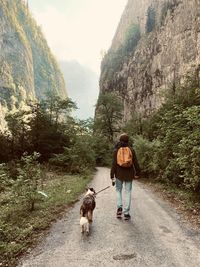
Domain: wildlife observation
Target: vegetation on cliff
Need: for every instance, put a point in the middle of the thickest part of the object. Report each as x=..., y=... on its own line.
x=28, y=69
x=168, y=142
x=45, y=66
x=151, y=19
x=114, y=60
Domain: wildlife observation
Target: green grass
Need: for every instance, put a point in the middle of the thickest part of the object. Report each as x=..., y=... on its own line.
x=189, y=198
x=20, y=229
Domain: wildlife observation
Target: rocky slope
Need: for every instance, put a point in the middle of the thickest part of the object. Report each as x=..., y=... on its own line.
x=156, y=44
x=27, y=68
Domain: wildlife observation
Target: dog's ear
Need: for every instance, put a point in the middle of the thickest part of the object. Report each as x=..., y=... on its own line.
x=92, y=189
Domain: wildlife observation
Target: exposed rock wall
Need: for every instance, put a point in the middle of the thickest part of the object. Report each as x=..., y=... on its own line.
x=27, y=67
x=162, y=57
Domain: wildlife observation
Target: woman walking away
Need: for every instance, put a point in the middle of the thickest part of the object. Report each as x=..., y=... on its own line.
x=124, y=169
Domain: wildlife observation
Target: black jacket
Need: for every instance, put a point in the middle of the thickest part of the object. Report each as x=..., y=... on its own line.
x=122, y=173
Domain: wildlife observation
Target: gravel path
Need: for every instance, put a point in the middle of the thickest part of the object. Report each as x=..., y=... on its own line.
x=154, y=237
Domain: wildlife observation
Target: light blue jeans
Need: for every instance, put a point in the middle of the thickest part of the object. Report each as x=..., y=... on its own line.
x=128, y=190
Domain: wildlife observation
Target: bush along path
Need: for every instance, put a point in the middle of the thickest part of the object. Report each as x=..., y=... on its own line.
x=31, y=196
x=168, y=142
x=37, y=198
x=155, y=236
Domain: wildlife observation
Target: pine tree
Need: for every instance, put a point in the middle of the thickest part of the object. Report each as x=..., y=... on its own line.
x=151, y=19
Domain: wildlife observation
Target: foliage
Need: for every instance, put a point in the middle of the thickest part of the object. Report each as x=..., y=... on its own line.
x=103, y=149
x=133, y=127
x=58, y=108
x=169, y=145
x=188, y=154
x=32, y=45
x=20, y=228
x=47, y=75
x=44, y=127
x=16, y=136
x=113, y=60
x=151, y=19
x=132, y=38
x=47, y=128
x=5, y=149
x=43, y=131
x=25, y=187
x=109, y=115
x=107, y=125
x=4, y=181
x=80, y=155
x=148, y=155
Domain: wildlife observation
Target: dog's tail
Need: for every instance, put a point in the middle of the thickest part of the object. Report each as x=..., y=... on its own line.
x=83, y=221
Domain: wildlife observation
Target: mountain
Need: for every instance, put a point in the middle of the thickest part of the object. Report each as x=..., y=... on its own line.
x=82, y=84
x=156, y=45
x=28, y=70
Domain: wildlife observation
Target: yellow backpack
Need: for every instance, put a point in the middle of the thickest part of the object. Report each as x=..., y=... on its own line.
x=124, y=157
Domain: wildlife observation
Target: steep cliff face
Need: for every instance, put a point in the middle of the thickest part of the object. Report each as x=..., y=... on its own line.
x=27, y=67
x=167, y=49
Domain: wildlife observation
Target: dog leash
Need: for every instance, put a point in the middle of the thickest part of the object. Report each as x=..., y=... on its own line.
x=102, y=190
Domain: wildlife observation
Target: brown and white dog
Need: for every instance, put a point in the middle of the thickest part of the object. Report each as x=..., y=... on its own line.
x=86, y=210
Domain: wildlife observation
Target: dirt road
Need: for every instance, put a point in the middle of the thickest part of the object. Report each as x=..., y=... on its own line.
x=154, y=237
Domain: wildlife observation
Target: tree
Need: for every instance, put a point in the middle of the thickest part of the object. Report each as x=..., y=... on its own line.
x=151, y=19
x=169, y=145
x=18, y=132
x=25, y=188
x=79, y=155
x=109, y=115
x=57, y=107
x=132, y=38
x=51, y=125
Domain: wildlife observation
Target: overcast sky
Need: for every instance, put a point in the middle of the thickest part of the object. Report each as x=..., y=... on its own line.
x=78, y=29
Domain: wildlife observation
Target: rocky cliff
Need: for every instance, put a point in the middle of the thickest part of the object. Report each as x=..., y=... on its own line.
x=156, y=44
x=27, y=67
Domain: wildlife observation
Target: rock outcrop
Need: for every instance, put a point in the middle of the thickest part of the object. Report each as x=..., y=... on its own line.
x=168, y=49
x=27, y=67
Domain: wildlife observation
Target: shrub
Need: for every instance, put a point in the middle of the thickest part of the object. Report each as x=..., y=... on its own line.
x=103, y=150
x=132, y=38
x=147, y=153
x=77, y=158
x=189, y=150
x=178, y=130
x=169, y=141
x=25, y=188
x=3, y=177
